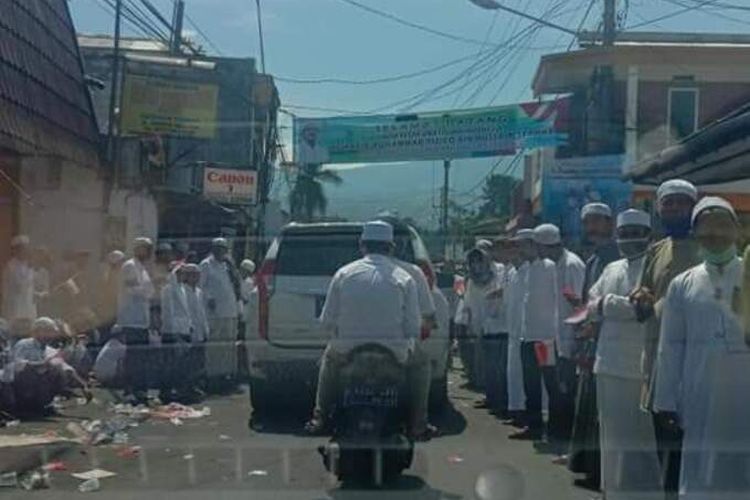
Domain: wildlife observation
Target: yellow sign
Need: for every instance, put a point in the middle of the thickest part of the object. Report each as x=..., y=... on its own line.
x=152, y=105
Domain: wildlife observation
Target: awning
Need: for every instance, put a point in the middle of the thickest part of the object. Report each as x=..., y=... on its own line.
x=715, y=154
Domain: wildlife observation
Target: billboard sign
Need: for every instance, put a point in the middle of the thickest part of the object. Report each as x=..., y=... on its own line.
x=470, y=133
x=570, y=183
x=163, y=106
x=238, y=187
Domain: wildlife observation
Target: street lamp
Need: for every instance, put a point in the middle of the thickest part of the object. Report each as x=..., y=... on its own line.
x=495, y=5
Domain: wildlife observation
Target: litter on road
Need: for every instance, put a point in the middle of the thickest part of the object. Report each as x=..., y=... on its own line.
x=90, y=485
x=36, y=480
x=57, y=466
x=258, y=472
x=93, y=474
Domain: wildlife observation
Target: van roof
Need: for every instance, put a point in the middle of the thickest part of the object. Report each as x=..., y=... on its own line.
x=323, y=228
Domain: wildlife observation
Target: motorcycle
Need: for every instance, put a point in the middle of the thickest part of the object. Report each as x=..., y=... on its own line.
x=369, y=443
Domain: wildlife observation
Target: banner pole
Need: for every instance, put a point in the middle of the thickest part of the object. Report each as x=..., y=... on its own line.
x=445, y=200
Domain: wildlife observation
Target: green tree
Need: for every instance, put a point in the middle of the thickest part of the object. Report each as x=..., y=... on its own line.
x=308, y=197
x=497, y=194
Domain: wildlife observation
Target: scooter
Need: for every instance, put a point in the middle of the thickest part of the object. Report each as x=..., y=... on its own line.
x=370, y=444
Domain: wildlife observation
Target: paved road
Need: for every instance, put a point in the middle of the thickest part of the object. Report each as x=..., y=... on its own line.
x=219, y=457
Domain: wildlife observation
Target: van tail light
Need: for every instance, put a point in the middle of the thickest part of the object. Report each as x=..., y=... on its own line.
x=265, y=289
x=428, y=272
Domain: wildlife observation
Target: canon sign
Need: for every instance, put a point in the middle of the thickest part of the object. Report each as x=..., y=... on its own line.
x=229, y=185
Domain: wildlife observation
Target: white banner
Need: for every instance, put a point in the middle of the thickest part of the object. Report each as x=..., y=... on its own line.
x=238, y=187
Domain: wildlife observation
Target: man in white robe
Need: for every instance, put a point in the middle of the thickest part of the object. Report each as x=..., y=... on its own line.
x=517, y=283
x=703, y=362
x=629, y=463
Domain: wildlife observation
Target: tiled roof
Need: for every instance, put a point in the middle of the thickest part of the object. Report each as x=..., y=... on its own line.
x=45, y=108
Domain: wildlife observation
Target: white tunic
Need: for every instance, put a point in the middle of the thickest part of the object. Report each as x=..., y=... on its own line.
x=197, y=310
x=621, y=337
x=18, y=291
x=480, y=311
x=702, y=368
x=540, y=315
x=571, y=273
x=372, y=300
x=517, y=283
x=175, y=315
x=217, y=286
x=136, y=290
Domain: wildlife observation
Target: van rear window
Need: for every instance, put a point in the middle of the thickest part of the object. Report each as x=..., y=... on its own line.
x=316, y=255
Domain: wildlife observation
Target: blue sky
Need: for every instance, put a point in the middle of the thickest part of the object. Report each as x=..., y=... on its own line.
x=332, y=38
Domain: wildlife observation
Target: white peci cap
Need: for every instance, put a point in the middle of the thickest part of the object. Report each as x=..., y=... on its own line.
x=44, y=323
x=377, y=231
x=525, y=234
x=142, y=242
x=485, y=245
x=712, y=202
x=20, y=240
x=220, y=242
x=115, y=257
x=248, y=265
x=596, y=209
x=676, y=186
x=547, y=234
x=633, y=217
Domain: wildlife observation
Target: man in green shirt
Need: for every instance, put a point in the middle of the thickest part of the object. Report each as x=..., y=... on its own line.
x=666, y=258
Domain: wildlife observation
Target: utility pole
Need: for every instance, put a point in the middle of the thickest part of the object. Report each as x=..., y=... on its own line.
x=178, y=19
x=444, y=211
x=260, y=36
x=111, y=146
x=610, y=23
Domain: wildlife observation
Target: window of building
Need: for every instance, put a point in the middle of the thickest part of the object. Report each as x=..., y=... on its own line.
x=682, y=113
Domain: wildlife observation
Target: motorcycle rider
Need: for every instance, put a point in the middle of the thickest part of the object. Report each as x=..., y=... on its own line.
x=371, y=300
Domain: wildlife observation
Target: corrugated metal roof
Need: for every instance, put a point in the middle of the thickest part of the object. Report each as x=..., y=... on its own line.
x=45, y=108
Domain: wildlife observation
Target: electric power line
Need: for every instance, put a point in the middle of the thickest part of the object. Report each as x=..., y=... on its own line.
x=583, y=21
x=411, y=24
x=713, y=13
x=670, y=15
x=203, y=35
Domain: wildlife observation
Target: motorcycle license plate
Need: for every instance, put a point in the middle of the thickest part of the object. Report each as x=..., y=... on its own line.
x=386, y=397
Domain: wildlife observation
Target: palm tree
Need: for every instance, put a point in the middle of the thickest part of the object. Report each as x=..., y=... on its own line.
x=308, y=197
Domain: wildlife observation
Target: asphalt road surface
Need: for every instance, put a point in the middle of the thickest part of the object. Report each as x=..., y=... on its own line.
x=219, y=457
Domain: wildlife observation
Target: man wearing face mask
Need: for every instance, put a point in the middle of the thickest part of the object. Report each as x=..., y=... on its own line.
x=628, y=445
x=540, y=326
x=571, y=272
x=598, y=227
x=664, y=260
x=702, y=363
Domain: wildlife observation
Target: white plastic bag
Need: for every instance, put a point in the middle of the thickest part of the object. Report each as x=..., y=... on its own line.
x=108, y=365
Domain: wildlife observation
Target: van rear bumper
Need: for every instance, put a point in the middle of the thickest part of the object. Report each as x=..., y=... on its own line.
x=280, y=364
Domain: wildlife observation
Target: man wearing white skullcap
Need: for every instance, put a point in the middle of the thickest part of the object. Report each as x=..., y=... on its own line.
x=223, y=317
x=625, y=427
x=571, y=272
x=598, y=228
x=109, y=288
x=38, y=372
x=371, y=300
x=665, y=259
x=514, y=299
x=540, y=326
x=18, y=282
x=701, y=370
x=247, y=270
x=134, y=317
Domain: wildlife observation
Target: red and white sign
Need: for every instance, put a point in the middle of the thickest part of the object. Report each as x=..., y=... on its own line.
x=230, y=185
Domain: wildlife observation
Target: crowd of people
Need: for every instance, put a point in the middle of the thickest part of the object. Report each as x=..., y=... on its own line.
x=640, y=352
x=141, y=323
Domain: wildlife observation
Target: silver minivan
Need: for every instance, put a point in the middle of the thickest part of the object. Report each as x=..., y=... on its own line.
x=287, y=340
